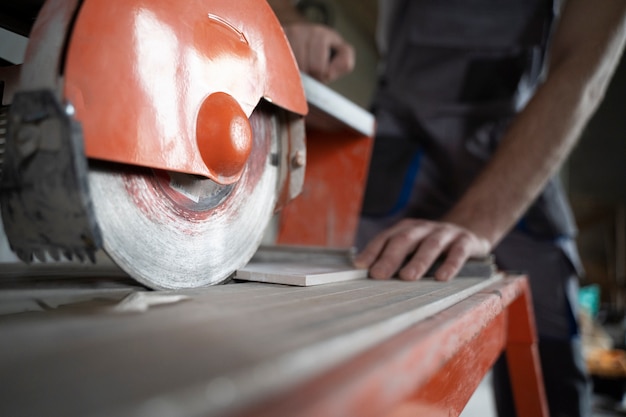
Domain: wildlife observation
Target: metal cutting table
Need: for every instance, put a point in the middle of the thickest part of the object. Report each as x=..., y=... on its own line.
x=103, y=347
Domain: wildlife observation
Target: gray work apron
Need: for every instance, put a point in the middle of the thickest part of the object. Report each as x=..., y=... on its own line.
x=456, y=72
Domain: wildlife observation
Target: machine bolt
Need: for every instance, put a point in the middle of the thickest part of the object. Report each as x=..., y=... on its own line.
x=299, y=159
x=69, y=109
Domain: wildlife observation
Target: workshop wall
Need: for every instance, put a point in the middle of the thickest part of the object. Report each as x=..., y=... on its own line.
x=597, y=167
x=596, y=178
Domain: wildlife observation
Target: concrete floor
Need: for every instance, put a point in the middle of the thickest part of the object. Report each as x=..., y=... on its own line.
x=482, y=404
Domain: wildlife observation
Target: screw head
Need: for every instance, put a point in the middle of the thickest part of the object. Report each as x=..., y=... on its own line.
x=299, y=159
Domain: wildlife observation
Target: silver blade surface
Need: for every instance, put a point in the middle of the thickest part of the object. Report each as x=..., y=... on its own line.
x=179, y=231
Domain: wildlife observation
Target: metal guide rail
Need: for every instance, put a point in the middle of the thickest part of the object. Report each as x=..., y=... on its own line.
x=108, y=347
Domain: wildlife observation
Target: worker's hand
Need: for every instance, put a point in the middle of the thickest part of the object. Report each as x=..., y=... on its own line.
x=320, y=51
x=421, y=242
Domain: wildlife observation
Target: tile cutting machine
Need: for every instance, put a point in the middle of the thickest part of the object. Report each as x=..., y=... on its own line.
x=165, y=132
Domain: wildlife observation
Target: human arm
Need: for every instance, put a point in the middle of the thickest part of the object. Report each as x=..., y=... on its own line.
x=585, y=51
x=319, y=50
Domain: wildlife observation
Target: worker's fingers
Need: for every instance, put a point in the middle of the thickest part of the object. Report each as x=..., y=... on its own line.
x=387, y=251
x=466, y=245
x=427, y=241
x=458, y=253
x=430, y=248
x=342, y=61
x=329, y=55
x=398, y=246
x=374, y=248
x=368, y=256
x=320, y=51
x=455, y=243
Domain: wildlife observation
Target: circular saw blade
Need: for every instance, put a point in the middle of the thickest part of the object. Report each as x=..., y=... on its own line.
x=169, y=235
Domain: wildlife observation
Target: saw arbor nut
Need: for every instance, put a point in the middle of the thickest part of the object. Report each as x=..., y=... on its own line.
x=224, y=137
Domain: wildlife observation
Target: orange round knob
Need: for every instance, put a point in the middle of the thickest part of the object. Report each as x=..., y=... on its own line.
x=224, y=137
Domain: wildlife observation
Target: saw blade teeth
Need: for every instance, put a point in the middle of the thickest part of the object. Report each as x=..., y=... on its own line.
x=54, y=254
x=24, y=255
x=80, y=255
x=68, y=255
x=92, y=256
x=40, y=255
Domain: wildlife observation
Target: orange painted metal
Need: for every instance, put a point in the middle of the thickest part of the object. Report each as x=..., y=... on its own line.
x=138, y=73
x=224, y=136
x=527, y=385
x=431, y=368
x=326, y=213
x=451, y=387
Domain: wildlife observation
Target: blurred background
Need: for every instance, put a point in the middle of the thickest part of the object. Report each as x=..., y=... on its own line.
x=595, y=175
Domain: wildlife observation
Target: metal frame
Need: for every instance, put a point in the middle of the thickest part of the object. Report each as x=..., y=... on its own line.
x=432, y=368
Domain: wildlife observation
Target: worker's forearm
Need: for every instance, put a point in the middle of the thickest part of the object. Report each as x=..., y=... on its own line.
x=531, y=152
x=286, y=11
x=541, y=137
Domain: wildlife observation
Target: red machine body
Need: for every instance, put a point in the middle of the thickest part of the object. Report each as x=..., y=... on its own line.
x=170, y=85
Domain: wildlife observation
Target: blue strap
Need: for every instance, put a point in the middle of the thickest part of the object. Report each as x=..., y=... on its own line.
x=407, y=184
